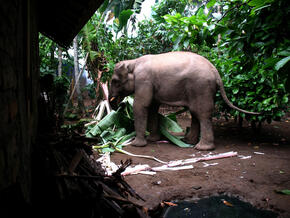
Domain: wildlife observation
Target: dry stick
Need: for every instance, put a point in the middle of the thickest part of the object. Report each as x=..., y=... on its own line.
x=137, y=155
x=75, y=161
x=122, y=199
x=78, y=176
x=219, y=156
x=175, y=164
x=76, y=82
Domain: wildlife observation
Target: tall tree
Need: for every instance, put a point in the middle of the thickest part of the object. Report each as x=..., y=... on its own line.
x=77, y=76
x=76, y=63
x=59, y=68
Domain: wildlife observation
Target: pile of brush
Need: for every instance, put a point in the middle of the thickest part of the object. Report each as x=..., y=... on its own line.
x=68, y=182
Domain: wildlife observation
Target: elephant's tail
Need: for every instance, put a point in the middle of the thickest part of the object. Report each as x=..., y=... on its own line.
x=223, y=93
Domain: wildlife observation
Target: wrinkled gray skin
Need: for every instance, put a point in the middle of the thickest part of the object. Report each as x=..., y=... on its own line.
x=177, y=79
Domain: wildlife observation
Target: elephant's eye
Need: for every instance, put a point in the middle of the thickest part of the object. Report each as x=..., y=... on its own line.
x=115, y=82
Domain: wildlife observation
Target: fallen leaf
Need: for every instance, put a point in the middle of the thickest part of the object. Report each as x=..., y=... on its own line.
x=281, y=172
x=196, y=187
x=260, y=153
x=284, y=192
x=145, y=210
x=169, y=203
x=156, y=182
x=227, y=203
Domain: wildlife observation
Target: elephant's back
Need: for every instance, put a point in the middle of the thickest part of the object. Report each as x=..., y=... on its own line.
x=178, y=64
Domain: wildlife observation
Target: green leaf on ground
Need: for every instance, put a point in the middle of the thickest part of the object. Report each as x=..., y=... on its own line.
x=175, y=140
x=284, y=192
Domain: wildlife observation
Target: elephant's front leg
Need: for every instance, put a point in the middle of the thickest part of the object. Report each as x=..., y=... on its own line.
x=142, y=101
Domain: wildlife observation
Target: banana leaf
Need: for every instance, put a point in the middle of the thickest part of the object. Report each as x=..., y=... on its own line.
x=173, y=115
x=169, y=124
x=111, y=135
x=127, y=137
x=175, y=140
x=284, y=192
x=104, y=124
x=117, y=128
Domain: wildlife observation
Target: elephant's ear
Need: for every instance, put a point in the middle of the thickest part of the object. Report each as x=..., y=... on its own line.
x=130, y=66
x=121, y=70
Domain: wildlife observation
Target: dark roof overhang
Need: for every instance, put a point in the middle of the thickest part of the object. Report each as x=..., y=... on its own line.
x=62, y=20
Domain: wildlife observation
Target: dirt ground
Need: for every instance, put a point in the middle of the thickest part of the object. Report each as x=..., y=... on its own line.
x=253, y=180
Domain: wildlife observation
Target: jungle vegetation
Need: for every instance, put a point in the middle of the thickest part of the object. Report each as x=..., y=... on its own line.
x=247, y=40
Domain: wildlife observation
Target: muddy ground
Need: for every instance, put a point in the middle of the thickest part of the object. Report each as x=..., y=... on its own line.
x=253, y=180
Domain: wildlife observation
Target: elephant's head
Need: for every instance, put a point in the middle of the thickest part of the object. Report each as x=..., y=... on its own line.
x=122, y=83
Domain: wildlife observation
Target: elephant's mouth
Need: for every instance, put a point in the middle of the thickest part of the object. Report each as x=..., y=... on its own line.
x=112, y=99
x=115, y=101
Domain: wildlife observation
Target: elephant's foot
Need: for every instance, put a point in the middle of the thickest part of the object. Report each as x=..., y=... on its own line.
x=139, y=142
x=204, y=147
x=191, y=140
x=153, y=137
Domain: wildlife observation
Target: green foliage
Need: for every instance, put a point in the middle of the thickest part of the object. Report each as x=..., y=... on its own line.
x=122, y=11
x=189, y=33
x=48, y=64
x=168, y=7
x=123, y=19
x=248, y=42
x=59, y=92
x=254, y=52
x=90, y=88
x=151, y=38
x=98, y=39
x=56, y=87
x=115, y=129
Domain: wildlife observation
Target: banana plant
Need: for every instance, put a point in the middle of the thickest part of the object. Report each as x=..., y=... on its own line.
x=121, y=11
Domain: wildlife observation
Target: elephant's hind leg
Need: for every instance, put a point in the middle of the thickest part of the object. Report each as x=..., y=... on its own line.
x=193, y=135
x=206, y=135
x=203, y=110
x=153, y=124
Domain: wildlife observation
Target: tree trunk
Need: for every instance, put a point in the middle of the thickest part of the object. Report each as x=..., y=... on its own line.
x=59, y=68
x=76, y=69
x=76, y=62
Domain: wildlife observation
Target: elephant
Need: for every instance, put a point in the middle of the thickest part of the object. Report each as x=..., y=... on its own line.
x=174, y=78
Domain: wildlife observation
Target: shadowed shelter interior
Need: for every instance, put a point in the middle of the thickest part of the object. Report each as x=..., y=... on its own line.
x=21, y=21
